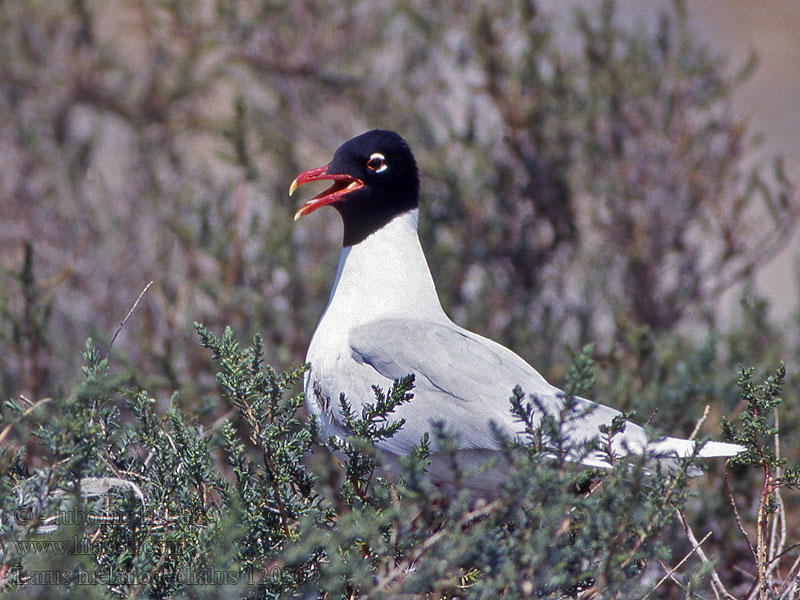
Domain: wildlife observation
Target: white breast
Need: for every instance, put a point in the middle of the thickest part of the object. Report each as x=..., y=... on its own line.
x=384, y=276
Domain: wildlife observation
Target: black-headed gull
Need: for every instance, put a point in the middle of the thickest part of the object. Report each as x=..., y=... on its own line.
x=384, y=321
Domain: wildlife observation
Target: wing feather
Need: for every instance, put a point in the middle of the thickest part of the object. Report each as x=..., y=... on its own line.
x=468, y=379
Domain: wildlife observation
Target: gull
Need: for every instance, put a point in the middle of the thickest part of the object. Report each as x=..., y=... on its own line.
x=384, y=321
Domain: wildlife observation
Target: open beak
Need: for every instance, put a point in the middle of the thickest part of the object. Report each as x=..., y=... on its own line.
x=342, y=185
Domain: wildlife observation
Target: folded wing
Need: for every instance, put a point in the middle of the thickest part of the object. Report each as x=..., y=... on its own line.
x=466, y=380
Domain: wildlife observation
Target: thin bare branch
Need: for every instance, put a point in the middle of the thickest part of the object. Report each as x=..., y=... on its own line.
x=125, y=320
x=777, y=540
x=695, y=548
x=33, y=406
x=700, y=422
x=736, y=516
x=716, y=582
x=790, y=580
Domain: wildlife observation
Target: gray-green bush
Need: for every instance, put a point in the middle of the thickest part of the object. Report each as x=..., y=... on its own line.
x=594, y=191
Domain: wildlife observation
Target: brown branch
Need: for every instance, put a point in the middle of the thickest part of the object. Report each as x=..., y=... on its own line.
x=278, y=499
x=736, y=515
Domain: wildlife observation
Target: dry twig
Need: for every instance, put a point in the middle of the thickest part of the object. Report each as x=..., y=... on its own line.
x=125, y=320
x=669, y=574
x=716, y=582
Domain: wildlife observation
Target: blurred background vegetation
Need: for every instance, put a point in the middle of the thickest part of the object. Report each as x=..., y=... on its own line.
x=589, y=186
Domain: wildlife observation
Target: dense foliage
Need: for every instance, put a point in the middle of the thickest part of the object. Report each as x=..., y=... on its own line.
x=589, y=191
x=163, y=507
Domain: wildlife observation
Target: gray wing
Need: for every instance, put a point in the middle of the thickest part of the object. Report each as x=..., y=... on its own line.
x=465, y=380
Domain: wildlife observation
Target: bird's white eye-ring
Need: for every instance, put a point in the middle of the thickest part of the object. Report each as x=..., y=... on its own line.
x=377, y=163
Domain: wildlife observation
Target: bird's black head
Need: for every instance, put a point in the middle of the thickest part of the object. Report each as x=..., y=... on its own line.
x=375, y=179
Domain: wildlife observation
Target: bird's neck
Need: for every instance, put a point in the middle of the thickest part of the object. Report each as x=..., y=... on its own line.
x=384, y=276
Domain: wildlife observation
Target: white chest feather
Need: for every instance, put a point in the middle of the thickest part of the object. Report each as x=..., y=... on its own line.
x=384, y=276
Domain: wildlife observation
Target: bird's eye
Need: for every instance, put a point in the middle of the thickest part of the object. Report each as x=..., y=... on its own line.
x=377, y=163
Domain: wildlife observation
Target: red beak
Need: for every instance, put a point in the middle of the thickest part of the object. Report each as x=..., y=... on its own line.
x=342, y=185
